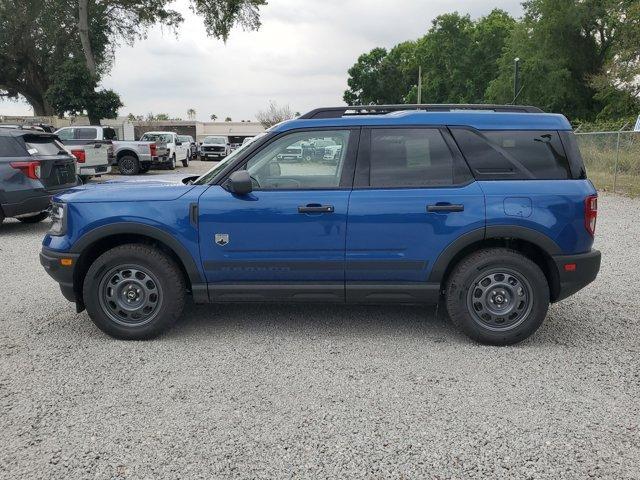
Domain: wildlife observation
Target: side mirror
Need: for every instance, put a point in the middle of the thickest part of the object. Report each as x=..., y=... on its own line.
x=239, y=182
x=178, y=143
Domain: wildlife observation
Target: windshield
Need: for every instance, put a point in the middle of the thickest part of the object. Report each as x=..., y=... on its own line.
x=207, y=177
x=215, y=140
x=157, y=137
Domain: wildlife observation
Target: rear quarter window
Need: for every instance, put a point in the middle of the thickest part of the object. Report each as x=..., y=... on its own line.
x=10, y=147
x=514, y=155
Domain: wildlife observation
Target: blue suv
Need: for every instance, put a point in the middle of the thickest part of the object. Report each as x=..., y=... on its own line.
x=485, y=209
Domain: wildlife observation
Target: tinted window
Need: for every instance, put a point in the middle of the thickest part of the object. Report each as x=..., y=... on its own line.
x=410, y=158
x=9, y=147
x=301, y=160
x=43, y=146
x=109, y=134
x=514, y=155
x=85, y=133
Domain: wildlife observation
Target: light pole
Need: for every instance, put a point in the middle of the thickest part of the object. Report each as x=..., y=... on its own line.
x=516, y=79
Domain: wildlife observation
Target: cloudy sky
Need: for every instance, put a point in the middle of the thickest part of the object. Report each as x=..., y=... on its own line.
x=299, y=57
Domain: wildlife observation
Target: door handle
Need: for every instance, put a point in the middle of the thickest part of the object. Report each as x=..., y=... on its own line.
x=315, y=208
x=445, y=207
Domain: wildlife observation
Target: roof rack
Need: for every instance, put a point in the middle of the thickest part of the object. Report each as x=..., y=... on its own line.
x=337, y=112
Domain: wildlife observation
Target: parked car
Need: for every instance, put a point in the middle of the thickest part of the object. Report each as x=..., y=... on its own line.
x=131, y=157
x=214, y=148
x=34, y=165
x=489, y=213
x=192, y=150
x=177, y=151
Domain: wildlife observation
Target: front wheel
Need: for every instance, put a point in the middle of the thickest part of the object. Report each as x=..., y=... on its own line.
x=172, y=165
x=134, y=292
x=185, y=162
x=497, y=296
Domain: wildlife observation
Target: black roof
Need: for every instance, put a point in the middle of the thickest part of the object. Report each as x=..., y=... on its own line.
x=337, y=112
x=21, y=132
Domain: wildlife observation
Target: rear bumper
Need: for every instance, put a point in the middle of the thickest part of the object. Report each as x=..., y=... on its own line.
x=37, y=203
x=64, y=275
x=576, y=272
x=95, y=170
x=162, y=160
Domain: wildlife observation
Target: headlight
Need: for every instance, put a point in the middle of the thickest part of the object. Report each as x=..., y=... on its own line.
x=58, y=219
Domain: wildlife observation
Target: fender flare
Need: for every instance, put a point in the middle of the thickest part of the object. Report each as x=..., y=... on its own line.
x=127, y=151
x=544, y=242
x=155, y=233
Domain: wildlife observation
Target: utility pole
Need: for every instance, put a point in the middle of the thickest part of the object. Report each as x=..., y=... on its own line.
x=419, y=85
x=516, y=79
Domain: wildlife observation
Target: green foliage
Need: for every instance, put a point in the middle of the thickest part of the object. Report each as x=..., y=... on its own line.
x=73, y=92
x=578, y=57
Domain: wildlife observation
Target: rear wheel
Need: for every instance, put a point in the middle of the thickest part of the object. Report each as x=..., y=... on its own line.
x=129, y=165
x=35, y=218
x=172, y=164
x=134, y=292
x=185, y=162
x=497, y=296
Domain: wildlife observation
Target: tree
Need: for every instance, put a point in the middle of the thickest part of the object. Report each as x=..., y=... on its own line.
x=37, y=37
x=191, y=114
x=274, y=114
x=74, y=93
x=228, y=119
x=213, y=117
x=365, y=79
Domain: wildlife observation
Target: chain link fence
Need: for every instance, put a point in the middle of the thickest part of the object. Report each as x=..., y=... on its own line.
x=612, y=160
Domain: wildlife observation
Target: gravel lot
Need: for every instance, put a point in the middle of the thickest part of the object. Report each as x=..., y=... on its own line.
x=254, y=391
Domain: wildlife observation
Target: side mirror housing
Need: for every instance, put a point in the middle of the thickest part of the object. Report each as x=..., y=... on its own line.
x=239, y=182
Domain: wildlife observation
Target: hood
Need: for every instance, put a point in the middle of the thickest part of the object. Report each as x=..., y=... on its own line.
x=158, y=187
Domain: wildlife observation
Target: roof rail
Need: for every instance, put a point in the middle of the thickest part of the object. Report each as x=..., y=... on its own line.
x=337, y=112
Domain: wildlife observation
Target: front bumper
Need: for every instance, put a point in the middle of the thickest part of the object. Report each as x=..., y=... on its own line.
x=575, y=272
x=64, y=275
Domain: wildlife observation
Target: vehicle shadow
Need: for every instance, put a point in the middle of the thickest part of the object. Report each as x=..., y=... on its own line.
x=303, y=320
x=12, y=226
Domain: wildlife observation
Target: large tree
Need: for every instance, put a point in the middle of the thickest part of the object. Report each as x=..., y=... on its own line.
x=37, y=37
x=577, y=57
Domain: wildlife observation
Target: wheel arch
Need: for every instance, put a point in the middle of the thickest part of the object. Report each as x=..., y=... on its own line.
x=534, y=245
x=127, y=152
x=94, y=243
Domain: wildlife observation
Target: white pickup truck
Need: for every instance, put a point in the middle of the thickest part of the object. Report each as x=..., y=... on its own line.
x=214, y=147
x=177, y=150
x=131, y=157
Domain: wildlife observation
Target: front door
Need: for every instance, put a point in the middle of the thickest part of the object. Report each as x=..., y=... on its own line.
x=285, y=240
x=414, y=196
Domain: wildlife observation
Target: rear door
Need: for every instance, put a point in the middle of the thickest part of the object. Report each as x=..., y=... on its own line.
x=285, y=240
x=413, y=196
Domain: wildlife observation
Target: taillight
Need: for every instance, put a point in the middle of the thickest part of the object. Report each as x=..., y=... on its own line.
x=30, y=169
x=590, y=213
x=81, y=157
x=153, y=149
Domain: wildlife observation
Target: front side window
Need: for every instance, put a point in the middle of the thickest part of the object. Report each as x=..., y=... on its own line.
x=410, y=157
x=301, y=160
x=65, y=134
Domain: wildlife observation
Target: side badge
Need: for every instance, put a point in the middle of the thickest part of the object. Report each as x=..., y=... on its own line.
x=222, y=239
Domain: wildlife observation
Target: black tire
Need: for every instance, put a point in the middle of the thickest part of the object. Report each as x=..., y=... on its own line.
x=85, y=178
x=497, y=296
x=101, y=290
x=185, y=162
x=144, y=168
x=35, y=218
x=128, y=165
x=1, y=216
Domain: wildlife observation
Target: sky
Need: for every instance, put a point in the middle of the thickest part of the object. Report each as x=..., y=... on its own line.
x=299, y=56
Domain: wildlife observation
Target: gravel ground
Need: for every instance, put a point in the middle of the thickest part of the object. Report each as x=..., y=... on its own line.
x=253, y=391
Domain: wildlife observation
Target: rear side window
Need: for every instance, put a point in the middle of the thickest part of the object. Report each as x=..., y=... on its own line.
x=85, y=134
x=10, y=147
x=109, y=134
x=44, y=146
x=514, y=155
x=411, y=157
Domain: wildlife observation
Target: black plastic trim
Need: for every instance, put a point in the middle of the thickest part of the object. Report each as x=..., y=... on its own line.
x=587, y=266
x=372, y=292
x=140, y=229
x=523, y=233
x=276, y=292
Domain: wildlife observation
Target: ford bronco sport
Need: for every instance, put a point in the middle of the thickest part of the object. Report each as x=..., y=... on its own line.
x=484, y=209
